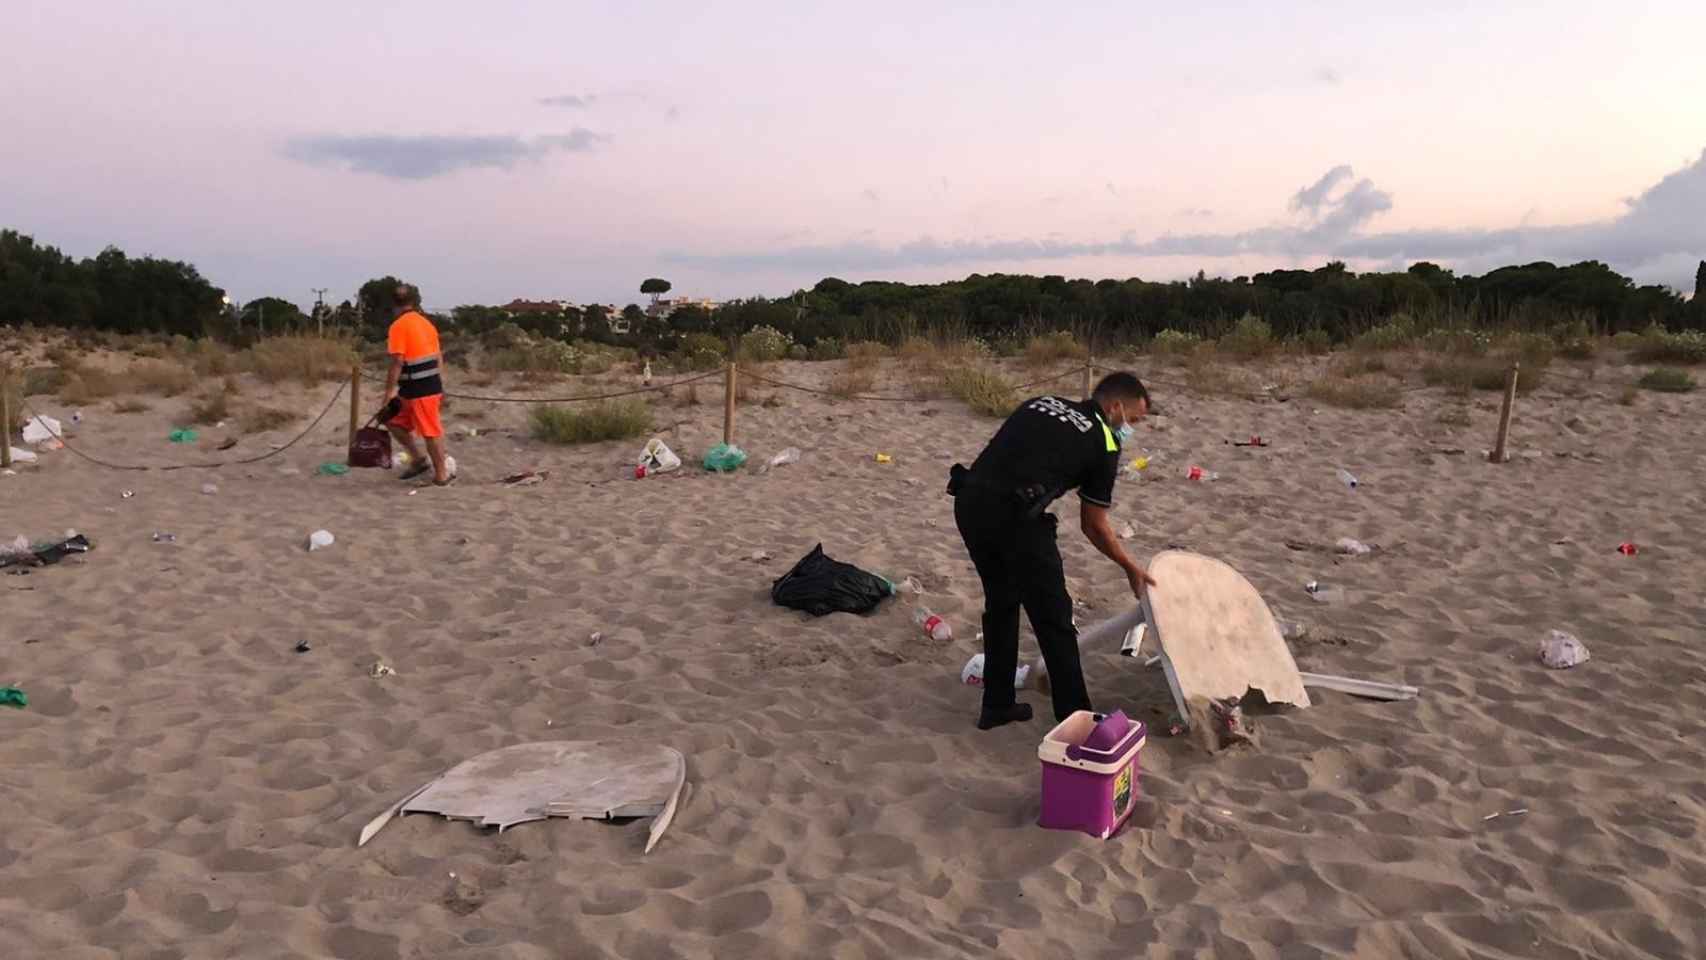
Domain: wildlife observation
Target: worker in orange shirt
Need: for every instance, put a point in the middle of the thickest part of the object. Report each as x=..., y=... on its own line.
x=415, y=383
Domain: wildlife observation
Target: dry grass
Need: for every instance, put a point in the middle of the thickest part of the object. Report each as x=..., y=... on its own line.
x=1356, y=393
x=210, y=408
x=981, y=389
x=1205, y=376
x=166, y=378
x=688, y=396
x=261, y=419
x=853, y=380
x=1454, y=417
x=132, y=406
x=210, y=358
x=865, y=354
x=1464, y=374
x=303, y=357
x=1629, y=396
x=1051, y=348
x=86, y=385
x=610, y=420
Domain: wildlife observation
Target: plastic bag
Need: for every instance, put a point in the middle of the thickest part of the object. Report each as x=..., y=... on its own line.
x=1561, y=651
x=972, y=673
x=819, y=585
x=41, y=430
x=790, y=455
x=724, y=458
x=658, y=457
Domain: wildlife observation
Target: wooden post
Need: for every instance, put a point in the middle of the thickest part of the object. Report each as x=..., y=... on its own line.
x=354, y=400
x=1499, y=455
x=729, y=403
x=1089, y=375
x=5, y=418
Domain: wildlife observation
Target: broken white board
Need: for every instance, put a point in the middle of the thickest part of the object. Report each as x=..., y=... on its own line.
x=554, y=778
x=1216, y=635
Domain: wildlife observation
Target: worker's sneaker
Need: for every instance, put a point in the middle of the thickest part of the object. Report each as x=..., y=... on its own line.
x=1017, y=713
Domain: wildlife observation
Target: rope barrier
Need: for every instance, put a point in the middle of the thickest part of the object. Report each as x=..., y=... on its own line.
x=655, y=388
x=190, y=466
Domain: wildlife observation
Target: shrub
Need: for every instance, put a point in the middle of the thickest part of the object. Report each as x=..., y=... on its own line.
x=827, y=348
x=799, y=352
x=865, y=353
x=1356, y=393
x=853, y=380
x=609, y=420
x=1395, y=333
x=701, y=351
x=981, y=390
x=262, y=419
x=505, y=336
x=1656, y=345
x=163, y=377
x=210, y=358
x=86, y=385
x=305, y=357
x=1174, y=343
x=764, y=344
x=1316, y=341
x=1666, y=380
x=1458, y=342
x=211, y=408
x=1532, y=349
x=1625, y=340
x=1251, y=336
x=131, y=406
x=916, y=350
x=1478, y=373
x=1052, y=348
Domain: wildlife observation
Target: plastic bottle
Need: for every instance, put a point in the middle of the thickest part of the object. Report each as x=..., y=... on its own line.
x=1347, y=479
x=935, y=627
x=1198, y=473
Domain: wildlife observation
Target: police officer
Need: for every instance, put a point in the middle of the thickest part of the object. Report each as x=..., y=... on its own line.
x=1048, y=446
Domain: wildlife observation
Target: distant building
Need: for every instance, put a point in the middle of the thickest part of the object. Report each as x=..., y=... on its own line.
x=663, y=308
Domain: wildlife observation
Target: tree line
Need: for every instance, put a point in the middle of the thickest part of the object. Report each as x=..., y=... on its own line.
x=114, y=292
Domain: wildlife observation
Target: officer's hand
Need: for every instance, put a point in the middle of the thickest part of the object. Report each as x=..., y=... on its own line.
x=1139, y=579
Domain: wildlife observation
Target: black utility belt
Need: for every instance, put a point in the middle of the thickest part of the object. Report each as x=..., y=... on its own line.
x=1031, y=498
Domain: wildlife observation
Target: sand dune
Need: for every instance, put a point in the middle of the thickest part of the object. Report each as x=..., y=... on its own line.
x=183, y=784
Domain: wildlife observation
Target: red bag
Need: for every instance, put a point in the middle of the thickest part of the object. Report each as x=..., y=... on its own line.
x=370, y=448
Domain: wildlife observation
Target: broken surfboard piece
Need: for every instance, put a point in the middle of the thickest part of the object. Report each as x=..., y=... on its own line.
x=554, y=778
x=1218, y=639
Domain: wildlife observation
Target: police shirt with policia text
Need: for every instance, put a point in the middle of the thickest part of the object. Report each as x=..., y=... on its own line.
x=1060, y=444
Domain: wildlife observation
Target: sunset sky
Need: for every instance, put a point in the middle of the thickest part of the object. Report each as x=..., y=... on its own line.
x=569, y=150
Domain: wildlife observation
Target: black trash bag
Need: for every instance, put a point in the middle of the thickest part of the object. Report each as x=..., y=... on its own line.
x=819, y=585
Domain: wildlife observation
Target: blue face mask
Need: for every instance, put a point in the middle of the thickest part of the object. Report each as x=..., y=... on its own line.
x=1124, y=433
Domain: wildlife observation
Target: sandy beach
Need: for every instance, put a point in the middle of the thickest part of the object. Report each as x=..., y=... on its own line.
x=184, y=784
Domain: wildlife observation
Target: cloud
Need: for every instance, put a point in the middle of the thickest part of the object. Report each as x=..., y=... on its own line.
x=1329, y=76
x=1113, y=191
x=1658, y=238
x=570, y=100
x=870, y=195
x=424, y=157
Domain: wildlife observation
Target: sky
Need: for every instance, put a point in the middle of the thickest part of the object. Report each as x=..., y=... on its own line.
x=570, y=150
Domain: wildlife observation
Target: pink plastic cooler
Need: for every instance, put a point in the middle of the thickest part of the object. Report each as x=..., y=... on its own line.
x=1090, y=772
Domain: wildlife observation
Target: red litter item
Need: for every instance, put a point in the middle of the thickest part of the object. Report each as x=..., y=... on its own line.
x=1628, y=549
x=640, y=472
x=1195, y=473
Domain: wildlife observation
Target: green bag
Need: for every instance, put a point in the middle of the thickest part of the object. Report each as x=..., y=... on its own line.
x=182, y=435
x=724, y=458
x=13, y=697
x=332, y=468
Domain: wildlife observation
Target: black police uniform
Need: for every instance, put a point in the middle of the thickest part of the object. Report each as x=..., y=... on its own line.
x=1047, y=447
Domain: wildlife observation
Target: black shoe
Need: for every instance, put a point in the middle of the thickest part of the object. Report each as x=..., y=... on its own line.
x=1017, y=713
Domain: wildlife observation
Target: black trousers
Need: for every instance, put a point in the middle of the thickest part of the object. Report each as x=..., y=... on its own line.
x=1019, y=562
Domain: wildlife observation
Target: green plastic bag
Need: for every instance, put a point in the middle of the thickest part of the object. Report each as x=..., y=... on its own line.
x=13, y=697
x=724, y=458
x=182, y=435
x=331, y=468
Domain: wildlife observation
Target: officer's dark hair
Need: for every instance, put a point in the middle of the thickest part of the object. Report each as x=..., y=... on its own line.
x=1123, y=385
x=406, y=295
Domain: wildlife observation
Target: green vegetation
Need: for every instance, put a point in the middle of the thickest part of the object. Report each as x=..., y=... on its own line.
x=1356, y=393
x=610, y=420
x=1655, y=345
x=984, y=391
x=1666, y=380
